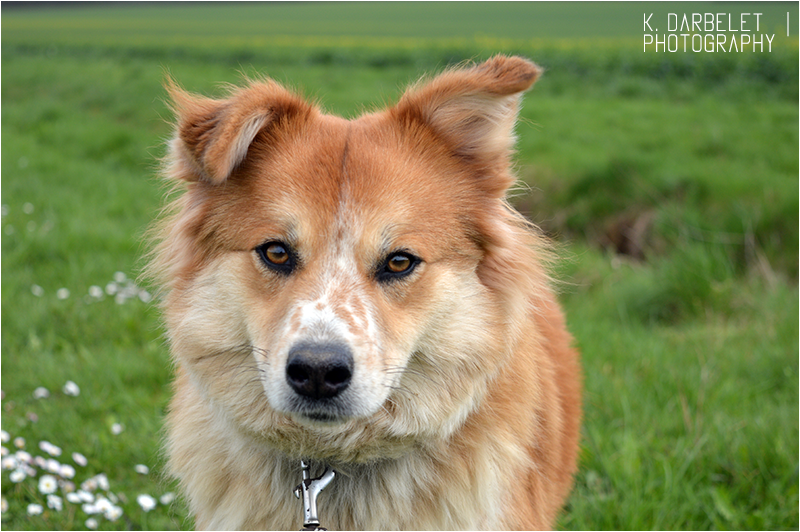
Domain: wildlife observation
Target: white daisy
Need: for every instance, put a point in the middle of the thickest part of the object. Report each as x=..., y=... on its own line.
x=35, y=509
x=91, y=523
x=79, y=459
x=102, y=481
x=48, y=484
x=103, y=505
x=90, y=509
x=85, y=496
x=146, y=502
x=89, y=484
x=70, y=388
x=52, y=466
x=54, y=502
x=41, y=393
x=141, y=469
x=23, y=456
x=95, y=291
x=66, y=471
x=10, y=462
x=113, y=513
x=49, y=448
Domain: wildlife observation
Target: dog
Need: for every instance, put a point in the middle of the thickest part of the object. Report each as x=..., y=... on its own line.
x=358, y=295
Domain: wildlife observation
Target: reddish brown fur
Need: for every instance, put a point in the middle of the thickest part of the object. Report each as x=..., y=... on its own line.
x=465, y=406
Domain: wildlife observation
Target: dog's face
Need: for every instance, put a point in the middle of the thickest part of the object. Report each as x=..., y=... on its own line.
x=340, y=284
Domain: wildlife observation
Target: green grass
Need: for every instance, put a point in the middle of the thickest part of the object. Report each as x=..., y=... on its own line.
x=688, y=425
x=435, y=20
x=690, y=355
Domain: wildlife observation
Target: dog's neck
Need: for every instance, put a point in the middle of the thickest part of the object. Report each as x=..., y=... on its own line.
x=418, y=491
x=435, y=484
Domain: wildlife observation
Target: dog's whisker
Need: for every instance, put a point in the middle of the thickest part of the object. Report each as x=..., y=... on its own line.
x=403, y=370
x=386, y=411
x=231, y=351
x=253, y=381
x=402, y=389
x=264, y=353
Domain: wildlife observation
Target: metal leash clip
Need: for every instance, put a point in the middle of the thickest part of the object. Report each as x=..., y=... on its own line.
x=309, y=489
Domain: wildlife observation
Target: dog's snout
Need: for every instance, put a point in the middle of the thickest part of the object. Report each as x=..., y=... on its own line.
x=319, y=371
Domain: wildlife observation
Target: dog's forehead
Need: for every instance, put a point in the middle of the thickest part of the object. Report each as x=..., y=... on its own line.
x=365, y=175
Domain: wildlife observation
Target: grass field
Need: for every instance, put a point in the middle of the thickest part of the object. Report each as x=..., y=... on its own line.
x=689, y=330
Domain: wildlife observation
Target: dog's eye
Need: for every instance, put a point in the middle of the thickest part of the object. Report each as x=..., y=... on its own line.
x=397, y=265
x=277, y=256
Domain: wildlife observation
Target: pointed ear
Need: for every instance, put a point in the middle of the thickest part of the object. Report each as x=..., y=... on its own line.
x=212, y=137
x=473, y=109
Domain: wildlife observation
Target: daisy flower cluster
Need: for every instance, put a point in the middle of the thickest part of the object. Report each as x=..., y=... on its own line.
x=121, y=289
x=44, y=480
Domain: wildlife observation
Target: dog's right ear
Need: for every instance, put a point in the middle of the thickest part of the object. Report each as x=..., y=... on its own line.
x=213, y=136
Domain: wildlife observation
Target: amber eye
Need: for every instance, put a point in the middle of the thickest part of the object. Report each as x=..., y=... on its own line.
x=397, y=265
x=277, y=256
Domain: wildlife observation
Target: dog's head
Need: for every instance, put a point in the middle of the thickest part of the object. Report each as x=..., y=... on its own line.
x=341, y=287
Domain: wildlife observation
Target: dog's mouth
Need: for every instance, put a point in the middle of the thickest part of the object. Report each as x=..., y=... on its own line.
x=325, y=418
x=320, y=412
x=322, y=417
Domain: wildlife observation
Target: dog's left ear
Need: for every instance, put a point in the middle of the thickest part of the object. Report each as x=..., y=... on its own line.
x=474, y=111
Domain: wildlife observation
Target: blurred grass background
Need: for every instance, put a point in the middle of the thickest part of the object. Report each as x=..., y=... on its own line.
x=670, y=182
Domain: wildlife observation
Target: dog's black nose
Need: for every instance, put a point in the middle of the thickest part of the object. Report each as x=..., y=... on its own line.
x=319, y=371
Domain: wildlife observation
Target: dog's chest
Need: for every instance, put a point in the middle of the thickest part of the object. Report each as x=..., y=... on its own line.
x=411, y=493
x=405, y=494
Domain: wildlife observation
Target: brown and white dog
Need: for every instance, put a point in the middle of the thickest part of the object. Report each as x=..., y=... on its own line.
x=359, y=294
